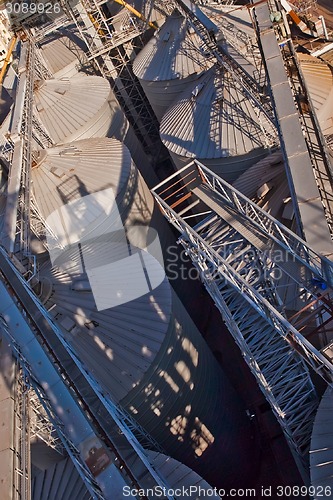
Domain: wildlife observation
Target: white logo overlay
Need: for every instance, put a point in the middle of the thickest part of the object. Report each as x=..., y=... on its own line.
x=116, y=259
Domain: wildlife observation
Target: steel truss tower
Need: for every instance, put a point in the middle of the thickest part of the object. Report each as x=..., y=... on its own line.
x=266, y=283
x=112, y=43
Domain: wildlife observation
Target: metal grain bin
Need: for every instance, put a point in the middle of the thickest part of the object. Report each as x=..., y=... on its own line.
x=63, y=174
x=61, y=55
x=216, y=124
x=171, y=60
x=79, y=108
x=148, y=355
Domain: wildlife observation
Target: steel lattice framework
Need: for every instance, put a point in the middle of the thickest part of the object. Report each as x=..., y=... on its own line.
x=31, y=381
x=117, y=428
x=259, y=274
x=111, y=41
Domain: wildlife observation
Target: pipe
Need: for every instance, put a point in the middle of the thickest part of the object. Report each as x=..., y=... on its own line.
x=322, y=19
x=8, y=56
x=136, y=13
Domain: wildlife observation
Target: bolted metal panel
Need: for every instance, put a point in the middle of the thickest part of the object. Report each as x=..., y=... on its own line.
x=78, y=108
x=212, y=121
x=62, y=55
x=169, y=62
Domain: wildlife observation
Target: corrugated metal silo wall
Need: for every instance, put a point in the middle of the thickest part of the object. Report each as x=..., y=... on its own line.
x=228, y=168
x=162, y=94
x=186, y=403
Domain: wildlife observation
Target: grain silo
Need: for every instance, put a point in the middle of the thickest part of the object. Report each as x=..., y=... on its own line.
x=63, y=174
x=266, y=184
x=62, y=481
x=213, y=122
x=83, y=107
x=62, y=55
x=78, y=108
x=148, y=356
x=171, y=60
x=147, y=352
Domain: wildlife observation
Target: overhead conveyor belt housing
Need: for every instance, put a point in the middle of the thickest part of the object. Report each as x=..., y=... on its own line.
x=61, y=377
x=265, y=282
x=304, y=155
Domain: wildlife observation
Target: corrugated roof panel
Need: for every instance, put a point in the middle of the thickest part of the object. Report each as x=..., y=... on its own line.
x=321, y=455
x=318, y=77
x=213, y=122
x=60, y=481
x=121, y=346
x=64, y=174
x=171, y=54
x=78, y=108
x=169, y=62
x=178, y=475
x=266, y=183
x=61, y=55
x=148, y=355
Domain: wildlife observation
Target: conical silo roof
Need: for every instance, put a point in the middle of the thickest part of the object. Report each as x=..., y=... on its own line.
x=318, y=77
x=78, y=108
x=266, y=184
x=170, y=60
x=61, y=480
x=179, y=476
x=65, y=174
x=319, y=80
x=213, y=122
x=62, y=55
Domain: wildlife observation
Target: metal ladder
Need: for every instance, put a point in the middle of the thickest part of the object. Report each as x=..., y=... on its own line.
x=258, y=272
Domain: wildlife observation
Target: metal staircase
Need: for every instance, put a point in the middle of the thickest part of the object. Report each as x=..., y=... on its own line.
x=260, y=276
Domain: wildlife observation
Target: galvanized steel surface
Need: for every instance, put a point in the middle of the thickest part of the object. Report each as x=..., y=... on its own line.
x=150, y=357
x=61, y=56
x=173, y=53
x=78, y=108
x=171, y=60
x=60, y=481
x=64, y=174
x=321, y=467
x=319, y=81
x=120, y=347
x=213, y=121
